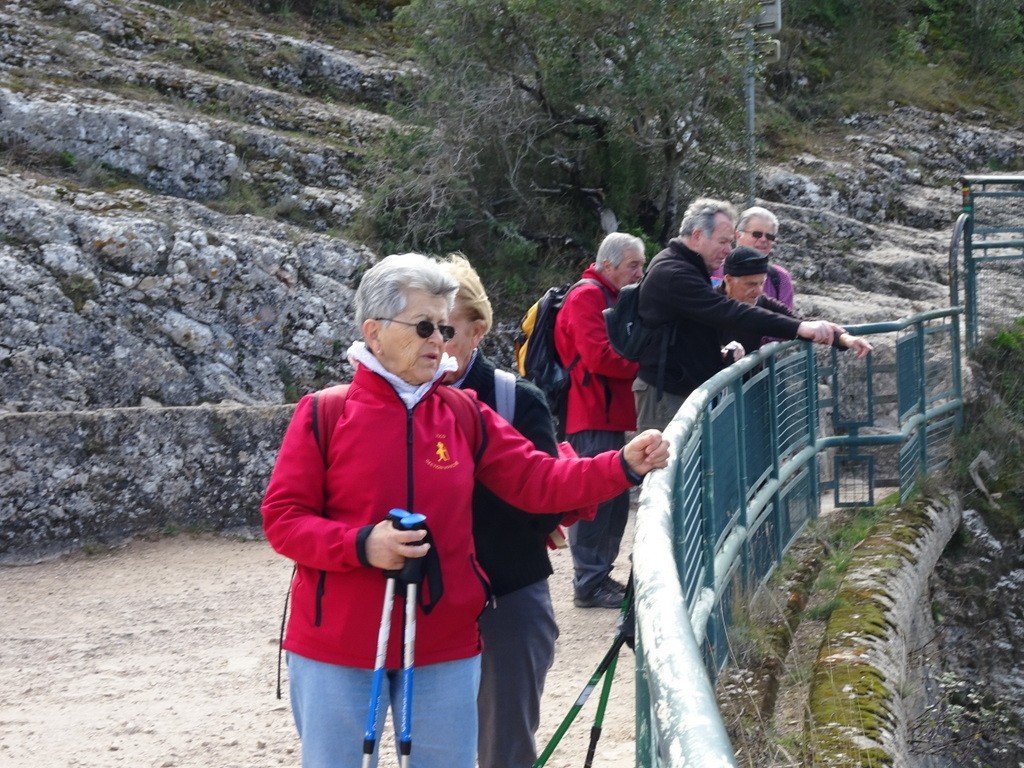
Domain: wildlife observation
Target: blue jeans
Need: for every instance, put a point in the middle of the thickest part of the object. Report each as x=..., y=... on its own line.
x=330, y=704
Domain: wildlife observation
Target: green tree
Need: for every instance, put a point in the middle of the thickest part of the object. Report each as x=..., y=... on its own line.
x=544, y=123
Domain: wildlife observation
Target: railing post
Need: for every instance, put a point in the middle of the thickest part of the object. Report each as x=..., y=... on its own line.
x=922, y=396
x=812, y=418
x=707, y=446
x=970, y=282
x=773, y=432
x=741, y=466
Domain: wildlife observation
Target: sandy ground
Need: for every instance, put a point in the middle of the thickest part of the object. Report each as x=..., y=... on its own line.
x=164, y=653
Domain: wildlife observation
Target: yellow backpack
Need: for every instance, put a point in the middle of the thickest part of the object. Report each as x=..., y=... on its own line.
x=526, y=328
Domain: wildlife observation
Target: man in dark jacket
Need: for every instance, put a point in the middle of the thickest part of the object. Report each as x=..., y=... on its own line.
x=518, y=627
x=678, y=299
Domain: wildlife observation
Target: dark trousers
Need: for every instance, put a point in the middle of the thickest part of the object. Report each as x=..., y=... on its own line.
x=519, y=647
x=595, y=543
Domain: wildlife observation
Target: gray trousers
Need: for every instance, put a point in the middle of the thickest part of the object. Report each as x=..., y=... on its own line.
x=595, y=543
x=652, y=413
x=519, y=647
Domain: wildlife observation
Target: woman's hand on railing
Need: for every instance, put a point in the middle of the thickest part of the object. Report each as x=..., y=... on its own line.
x=645, y=452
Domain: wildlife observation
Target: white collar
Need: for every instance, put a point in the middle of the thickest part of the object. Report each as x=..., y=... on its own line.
x=360, y=354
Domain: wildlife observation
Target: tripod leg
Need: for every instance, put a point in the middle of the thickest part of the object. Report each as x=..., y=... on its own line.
x=574, y=710
x=595, y=732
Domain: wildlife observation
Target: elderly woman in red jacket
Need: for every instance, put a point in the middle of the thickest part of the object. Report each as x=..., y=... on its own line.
x=400, y=442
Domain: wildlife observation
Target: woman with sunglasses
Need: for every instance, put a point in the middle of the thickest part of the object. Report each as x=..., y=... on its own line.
x=401, y=442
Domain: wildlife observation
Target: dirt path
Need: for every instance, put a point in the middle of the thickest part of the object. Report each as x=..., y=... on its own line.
x=163, y=653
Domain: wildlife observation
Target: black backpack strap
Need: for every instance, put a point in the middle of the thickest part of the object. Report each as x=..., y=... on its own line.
x=666, y=338
x=773, y=275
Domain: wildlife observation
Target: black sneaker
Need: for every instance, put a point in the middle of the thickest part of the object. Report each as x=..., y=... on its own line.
x=612, y=585
x=602, y=597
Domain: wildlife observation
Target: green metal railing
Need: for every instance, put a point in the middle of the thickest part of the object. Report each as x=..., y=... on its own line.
x=992, y=238
x=753, y=450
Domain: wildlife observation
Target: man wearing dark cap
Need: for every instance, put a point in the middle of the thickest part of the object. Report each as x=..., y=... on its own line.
x=744, y=271
x=676, y=298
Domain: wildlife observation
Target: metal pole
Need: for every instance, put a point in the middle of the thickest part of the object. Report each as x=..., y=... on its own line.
x=751, y=154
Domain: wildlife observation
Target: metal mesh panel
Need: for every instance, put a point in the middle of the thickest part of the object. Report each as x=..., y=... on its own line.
x=940, y=383
x=688, y=523
x=854, y=480
x=757, y=436
x=798, y=504
x=940, y=442
x=910, y=462
x=908, y=378
x=716, y=643
x=725, y=474
x=763, y=548
x=852, y=390
x=791, y=388
x=998, y=299
x=993, y=266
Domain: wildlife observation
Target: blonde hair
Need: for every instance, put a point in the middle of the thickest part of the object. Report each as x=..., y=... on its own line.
x=471, y=293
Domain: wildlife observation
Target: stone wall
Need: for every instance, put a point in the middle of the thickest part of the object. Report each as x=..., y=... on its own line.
x=75, y=479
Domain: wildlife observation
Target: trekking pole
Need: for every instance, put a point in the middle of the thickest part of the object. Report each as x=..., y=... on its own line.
x=399, y=519
x=411, y=575
x=623, y=633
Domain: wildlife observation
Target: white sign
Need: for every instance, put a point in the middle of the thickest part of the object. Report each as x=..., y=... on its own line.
x=769, y=20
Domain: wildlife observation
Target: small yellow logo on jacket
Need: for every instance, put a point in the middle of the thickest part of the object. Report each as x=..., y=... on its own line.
x=442, y=456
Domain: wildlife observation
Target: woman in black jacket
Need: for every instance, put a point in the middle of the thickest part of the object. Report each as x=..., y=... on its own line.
x=518, y=627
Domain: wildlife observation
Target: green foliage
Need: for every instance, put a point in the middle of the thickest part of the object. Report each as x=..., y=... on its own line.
x=846, y=55
x=78, y=288
x=1001, y=356
x=996, y=425
x=538, y=118
x=348, y=11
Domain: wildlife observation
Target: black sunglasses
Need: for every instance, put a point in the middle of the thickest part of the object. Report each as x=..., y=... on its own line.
x=424, y=328
x=758, y=234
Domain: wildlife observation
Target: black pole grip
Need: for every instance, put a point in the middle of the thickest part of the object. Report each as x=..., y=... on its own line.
x=411, y=571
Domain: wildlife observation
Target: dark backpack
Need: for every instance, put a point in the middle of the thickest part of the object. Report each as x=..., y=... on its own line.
x=627, y=333
x=629, y=336
x=541, y=363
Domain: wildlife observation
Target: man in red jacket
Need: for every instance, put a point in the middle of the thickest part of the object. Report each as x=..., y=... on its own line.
x=601, y=408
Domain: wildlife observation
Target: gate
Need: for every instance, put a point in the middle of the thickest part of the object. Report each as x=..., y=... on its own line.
x=991, y=232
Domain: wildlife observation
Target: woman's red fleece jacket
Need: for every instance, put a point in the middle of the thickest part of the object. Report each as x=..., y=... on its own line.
x=384, y=456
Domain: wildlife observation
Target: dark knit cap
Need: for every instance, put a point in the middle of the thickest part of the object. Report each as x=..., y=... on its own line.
x=745, y=260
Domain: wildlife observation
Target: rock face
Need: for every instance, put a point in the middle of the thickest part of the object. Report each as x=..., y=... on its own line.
x=169, y=193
